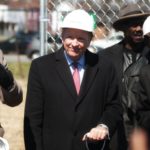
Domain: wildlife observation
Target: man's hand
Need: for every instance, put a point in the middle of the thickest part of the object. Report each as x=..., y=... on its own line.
x=96, y=134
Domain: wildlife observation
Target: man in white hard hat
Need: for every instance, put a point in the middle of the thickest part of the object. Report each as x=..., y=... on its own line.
x=146, y=26
x=146, y=30
x=72, y=94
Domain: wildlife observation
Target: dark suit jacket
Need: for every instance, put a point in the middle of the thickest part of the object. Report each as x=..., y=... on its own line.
x=55, y=116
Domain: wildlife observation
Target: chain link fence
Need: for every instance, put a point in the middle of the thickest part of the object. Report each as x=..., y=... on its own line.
x=103, y=11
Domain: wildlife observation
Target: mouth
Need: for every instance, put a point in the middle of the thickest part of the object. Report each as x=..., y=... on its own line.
x=76, y=50
x=138, y=36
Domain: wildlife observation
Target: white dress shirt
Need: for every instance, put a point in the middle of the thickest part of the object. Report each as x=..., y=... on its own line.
x=81, y=65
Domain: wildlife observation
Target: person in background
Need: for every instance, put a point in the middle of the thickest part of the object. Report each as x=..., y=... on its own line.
x=143, y=107
x=128, y=56
x=140, y=138
x=72, y=99
x=10, y=92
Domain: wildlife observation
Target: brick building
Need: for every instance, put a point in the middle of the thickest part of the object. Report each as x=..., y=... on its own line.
x=19, y=15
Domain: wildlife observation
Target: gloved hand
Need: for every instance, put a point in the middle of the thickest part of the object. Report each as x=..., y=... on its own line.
x=6, y=78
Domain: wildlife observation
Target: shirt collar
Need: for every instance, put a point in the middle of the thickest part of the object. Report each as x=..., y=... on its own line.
x=81, y=61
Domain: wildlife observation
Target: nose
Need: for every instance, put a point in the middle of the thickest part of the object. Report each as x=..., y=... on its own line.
x=75, y=42
x=138, y=27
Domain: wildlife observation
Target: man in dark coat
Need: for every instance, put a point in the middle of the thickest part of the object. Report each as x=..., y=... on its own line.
x=57, y=116
x=10, y=92
x=143, y=107
x=128, y=56
x=140, y=138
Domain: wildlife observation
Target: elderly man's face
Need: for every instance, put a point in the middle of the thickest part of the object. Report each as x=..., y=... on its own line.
x=75, y=42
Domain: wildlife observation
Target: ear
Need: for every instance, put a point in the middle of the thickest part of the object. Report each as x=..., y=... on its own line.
x=91, y=35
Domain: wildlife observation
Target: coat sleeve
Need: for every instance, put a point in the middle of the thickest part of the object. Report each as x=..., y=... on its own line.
x=14, y=96
x=112, y=114
x=33, y=111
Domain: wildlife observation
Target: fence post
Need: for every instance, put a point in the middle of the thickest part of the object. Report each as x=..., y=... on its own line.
x=43, y=27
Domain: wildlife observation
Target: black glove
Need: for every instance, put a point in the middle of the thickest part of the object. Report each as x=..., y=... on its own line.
x=6, y=78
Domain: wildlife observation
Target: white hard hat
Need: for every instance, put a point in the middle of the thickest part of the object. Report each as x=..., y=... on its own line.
x=3, y=144
x=79, y=19
x=146, y=26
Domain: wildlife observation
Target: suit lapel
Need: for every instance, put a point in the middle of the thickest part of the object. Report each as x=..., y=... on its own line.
x=91, y=70
x=64, y=73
